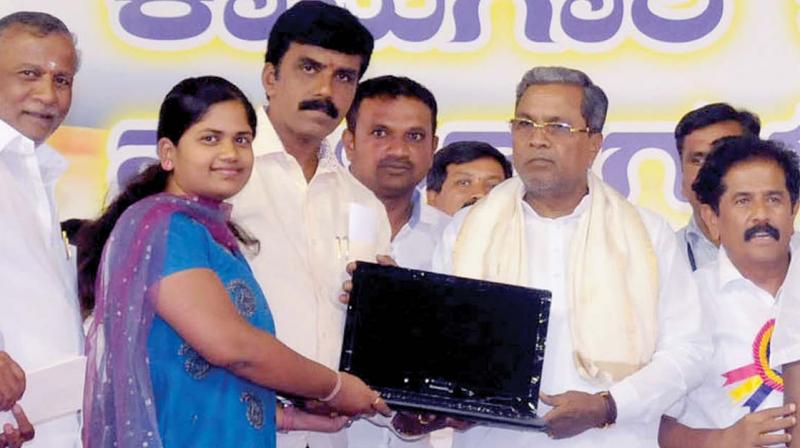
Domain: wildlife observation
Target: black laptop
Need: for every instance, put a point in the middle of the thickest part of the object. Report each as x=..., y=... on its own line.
x=438, y=343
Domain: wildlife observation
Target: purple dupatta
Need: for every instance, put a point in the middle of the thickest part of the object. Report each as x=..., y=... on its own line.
x=118, y=400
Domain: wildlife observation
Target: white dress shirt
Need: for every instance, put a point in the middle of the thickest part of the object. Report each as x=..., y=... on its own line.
x=412, y=247
x=306, y=230
x=740, y=316
x=697, y=249
x=40, y=321
x=642, y=397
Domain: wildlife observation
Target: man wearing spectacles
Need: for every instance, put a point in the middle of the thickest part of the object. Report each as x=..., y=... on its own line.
x=624, y=335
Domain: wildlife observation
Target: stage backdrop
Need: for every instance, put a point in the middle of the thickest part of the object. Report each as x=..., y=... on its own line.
x=656, y=59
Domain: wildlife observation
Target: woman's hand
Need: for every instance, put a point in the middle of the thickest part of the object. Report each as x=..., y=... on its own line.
x=356, y=398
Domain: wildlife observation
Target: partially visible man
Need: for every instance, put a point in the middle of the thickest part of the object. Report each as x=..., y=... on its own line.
x=40, y=322
x=624, y=334
x=389, y=141
x=694, y=136
x=307, y=211
x=748, y=189
x=464, y=172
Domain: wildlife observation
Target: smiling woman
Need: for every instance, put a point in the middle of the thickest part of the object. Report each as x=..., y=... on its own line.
x=182, y=341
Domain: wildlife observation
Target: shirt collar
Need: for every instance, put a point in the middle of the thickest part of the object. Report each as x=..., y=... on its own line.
x=51, y=164
x=728, y=274
x=268, y=142
x=12, y=140
x=693, y=233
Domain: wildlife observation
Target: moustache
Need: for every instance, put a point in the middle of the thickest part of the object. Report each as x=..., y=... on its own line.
x=759, y=228
x=395, y=162
x=470, y=202
x=325, y=105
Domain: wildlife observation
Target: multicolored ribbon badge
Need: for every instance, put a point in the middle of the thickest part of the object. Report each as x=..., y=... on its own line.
x=758, y=379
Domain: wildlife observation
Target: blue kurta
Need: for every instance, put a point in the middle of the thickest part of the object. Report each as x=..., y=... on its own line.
x=198, y=404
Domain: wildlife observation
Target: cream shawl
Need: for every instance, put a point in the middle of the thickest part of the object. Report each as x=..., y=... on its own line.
x=612, y=288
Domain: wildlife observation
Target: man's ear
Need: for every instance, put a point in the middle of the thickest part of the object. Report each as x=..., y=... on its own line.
x=269, y=78
x=349, y=144
x=711, y=220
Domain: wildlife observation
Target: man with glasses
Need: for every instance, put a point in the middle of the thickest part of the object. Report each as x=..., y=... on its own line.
x=624, y=336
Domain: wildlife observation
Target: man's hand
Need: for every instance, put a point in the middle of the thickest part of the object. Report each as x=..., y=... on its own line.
x=14, y=437
x=347, y=286
x=12, y=382
x=754, y=429
x=573, y=413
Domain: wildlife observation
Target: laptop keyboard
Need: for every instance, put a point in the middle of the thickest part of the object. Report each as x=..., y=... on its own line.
x=457, y=406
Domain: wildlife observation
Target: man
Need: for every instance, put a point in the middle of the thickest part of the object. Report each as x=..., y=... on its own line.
x=307, y=211
x=624, y=334
x=464, y=172
x=748, y=189
x=694, y=135
x=40, y=321
x=389, y=141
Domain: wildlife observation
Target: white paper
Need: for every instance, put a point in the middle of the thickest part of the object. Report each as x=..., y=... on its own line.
x=362, y=233
x=51, y=392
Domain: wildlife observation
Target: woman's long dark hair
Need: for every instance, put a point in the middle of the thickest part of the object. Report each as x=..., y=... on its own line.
x=184, y=105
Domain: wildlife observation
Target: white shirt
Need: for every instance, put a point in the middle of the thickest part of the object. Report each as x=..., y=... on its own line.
x=786, y=337
x=695, y=246
x=301, y=265
x=40, y=321
x=412, y=247
x=642, y=397
x=740, y=317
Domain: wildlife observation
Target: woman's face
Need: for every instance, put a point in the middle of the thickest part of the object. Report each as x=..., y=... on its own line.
x=214, y=157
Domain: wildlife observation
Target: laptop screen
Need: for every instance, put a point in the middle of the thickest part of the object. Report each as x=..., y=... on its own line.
x=445, y=335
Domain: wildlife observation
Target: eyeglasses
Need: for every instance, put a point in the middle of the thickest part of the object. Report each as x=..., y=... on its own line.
x=525, y=127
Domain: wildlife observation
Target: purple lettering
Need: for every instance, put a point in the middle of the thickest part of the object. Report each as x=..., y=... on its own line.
x=615, y=168
x=248, y=28
x=676, y=30
x=592, y=30
x=137, y=23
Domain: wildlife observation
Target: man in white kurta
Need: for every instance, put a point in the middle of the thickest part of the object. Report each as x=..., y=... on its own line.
x=40, y=322
x=309, y=214
x=749, y=190
x=554, y=144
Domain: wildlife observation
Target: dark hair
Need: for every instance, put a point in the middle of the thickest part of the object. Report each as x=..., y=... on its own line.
x=712, y=114
x=458, y=153
x=184, y=105
x=391, y=87
x=322, y=25
x=730, y=151
x=39, y=23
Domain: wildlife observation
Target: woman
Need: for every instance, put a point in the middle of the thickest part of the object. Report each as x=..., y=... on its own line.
x=181, y=350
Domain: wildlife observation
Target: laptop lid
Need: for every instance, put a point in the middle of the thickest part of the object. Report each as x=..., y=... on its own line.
x=435, y=335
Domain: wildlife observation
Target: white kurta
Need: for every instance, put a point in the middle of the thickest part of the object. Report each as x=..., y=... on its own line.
x=302, y=228
x=40, y=321
x=739, y=315
x=642, y=397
